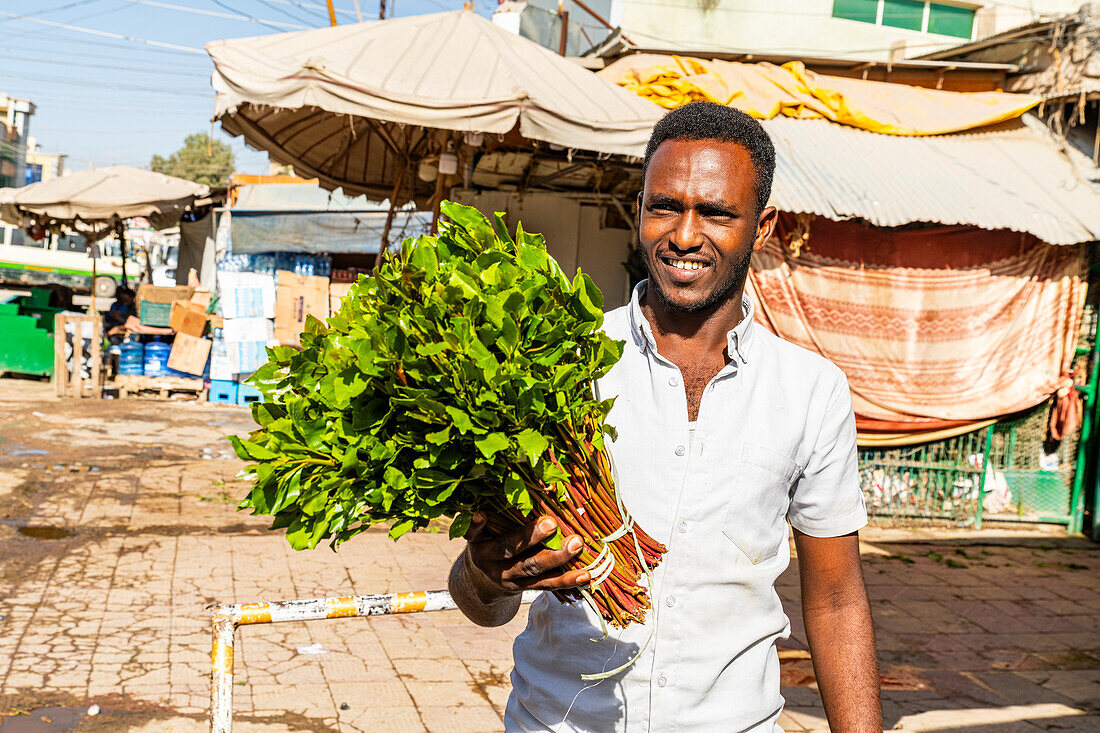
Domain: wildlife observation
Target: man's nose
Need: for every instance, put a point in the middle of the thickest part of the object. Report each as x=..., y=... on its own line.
x=687, y=234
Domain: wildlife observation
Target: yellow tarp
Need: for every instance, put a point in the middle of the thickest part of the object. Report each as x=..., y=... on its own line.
x=765, y=90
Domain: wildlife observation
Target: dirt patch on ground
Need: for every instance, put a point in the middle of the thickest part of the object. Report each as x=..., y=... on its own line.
x=34, y=711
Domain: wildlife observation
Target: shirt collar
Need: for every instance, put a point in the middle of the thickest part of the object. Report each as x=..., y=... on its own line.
x=738, y=339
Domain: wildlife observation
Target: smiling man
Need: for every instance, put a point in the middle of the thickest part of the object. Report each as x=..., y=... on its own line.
x=726, y=434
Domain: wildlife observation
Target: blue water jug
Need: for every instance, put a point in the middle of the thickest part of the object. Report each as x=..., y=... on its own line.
x=156, y=359
x=131, y=358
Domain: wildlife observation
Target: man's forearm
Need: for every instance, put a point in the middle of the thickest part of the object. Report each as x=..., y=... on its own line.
x=842, y=645
x=472, y=599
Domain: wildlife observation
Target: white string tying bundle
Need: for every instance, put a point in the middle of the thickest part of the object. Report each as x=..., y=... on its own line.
x=605, y=561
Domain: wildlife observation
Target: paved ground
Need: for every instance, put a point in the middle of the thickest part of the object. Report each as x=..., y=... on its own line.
x=995, y=632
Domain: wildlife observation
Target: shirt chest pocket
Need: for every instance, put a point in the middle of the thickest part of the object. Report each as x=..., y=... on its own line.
x=756, y=516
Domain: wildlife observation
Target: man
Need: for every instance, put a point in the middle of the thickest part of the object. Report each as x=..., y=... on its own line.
x=724, y=432
x=121, y=309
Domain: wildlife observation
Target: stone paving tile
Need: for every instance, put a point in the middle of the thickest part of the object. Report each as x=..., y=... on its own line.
x=1006, y=638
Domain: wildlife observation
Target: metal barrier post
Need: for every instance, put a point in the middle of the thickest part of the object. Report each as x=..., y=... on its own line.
x=980, y=509
x=221, y=673
x=226, y=619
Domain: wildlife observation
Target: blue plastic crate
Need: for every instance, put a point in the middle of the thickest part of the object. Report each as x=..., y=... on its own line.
x=223, y=392
x=247, y=394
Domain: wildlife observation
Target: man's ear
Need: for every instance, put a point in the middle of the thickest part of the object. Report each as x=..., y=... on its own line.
x=765, y=225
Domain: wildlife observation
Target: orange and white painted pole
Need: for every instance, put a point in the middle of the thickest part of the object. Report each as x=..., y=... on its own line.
x=226, y=619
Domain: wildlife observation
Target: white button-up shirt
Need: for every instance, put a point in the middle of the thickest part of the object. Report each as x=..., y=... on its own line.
x=775, y=441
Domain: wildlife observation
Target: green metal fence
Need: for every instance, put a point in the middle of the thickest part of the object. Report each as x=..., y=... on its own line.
x=939, y=480
x=1030, y=479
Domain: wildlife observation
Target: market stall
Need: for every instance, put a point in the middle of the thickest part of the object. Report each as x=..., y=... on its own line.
x=292, y=251
x=367, y=108
x=96, y=203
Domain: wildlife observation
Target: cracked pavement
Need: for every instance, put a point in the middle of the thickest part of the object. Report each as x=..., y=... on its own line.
x=133, y=532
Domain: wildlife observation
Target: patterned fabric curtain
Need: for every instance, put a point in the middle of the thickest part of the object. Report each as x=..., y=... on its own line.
x=939, y=329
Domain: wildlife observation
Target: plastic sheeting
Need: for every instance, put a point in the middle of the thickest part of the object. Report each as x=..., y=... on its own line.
x=329, y=231
x=765, y=91
x=306, y=218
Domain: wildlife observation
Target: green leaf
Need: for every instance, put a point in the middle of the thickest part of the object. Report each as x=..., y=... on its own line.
x=400, y=528
x=532, y=444
x=424, y=258
x=492, y=444
x=460, y=526
x=248, y=450
x=460, y=418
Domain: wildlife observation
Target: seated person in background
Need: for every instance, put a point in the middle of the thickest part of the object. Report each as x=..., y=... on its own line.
x=121, y=309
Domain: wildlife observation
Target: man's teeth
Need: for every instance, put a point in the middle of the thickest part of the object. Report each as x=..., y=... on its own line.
x=686, y=264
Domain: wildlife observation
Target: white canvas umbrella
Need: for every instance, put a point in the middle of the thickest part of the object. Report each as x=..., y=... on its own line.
x=357, y=106
x=95, y=202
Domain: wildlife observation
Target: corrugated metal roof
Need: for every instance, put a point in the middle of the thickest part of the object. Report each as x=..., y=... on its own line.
x=1004, y=178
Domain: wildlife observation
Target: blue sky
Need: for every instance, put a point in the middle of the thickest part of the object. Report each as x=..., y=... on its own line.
x=109, y=101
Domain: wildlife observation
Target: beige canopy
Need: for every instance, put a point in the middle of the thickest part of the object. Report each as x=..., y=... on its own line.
x=352, y=105
x=94, y=198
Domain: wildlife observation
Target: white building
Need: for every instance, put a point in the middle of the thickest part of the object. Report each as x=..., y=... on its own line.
x=871, y=29
x=15, y=115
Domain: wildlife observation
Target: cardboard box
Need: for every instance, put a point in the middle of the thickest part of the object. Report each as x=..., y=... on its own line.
x=161, y=294
x=336, y=293
x=201, y=298
x=188, y=318
x=189, y=354
x=298, y=296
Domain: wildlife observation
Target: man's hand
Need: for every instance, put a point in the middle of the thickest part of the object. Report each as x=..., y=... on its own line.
x=510, y=563
x=491, y=573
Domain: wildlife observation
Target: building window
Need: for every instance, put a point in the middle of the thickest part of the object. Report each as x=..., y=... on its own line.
x=913, y=15
x=907, y=14
x=950, y=20
x=33, y=173
x=865, y=11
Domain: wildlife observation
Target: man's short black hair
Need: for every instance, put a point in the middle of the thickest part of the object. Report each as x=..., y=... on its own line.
x=710, y=121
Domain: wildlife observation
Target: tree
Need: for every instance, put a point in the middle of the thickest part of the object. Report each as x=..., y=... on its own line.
x=200, y=160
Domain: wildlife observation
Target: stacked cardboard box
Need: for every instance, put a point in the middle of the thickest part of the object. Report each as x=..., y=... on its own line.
x=247, y=301
x=298, y=296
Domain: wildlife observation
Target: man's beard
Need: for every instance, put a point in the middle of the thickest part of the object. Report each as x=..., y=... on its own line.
x=716, y=297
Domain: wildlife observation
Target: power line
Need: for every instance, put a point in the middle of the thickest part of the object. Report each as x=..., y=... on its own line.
x=307, y=6
x=193, y=73
x=220, y=4
x=104, y=34
x=85, y=16
x=178, y=57
x=216, y=14
x=123, y=87
x=57, y=8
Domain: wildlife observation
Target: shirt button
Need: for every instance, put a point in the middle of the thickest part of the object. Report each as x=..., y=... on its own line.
x=683, y=527
x=662, y=681
x=680, y=450
x=673, y=381
x=670, y=601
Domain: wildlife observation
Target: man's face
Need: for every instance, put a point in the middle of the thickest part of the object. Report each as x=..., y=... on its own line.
x=699, y=224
